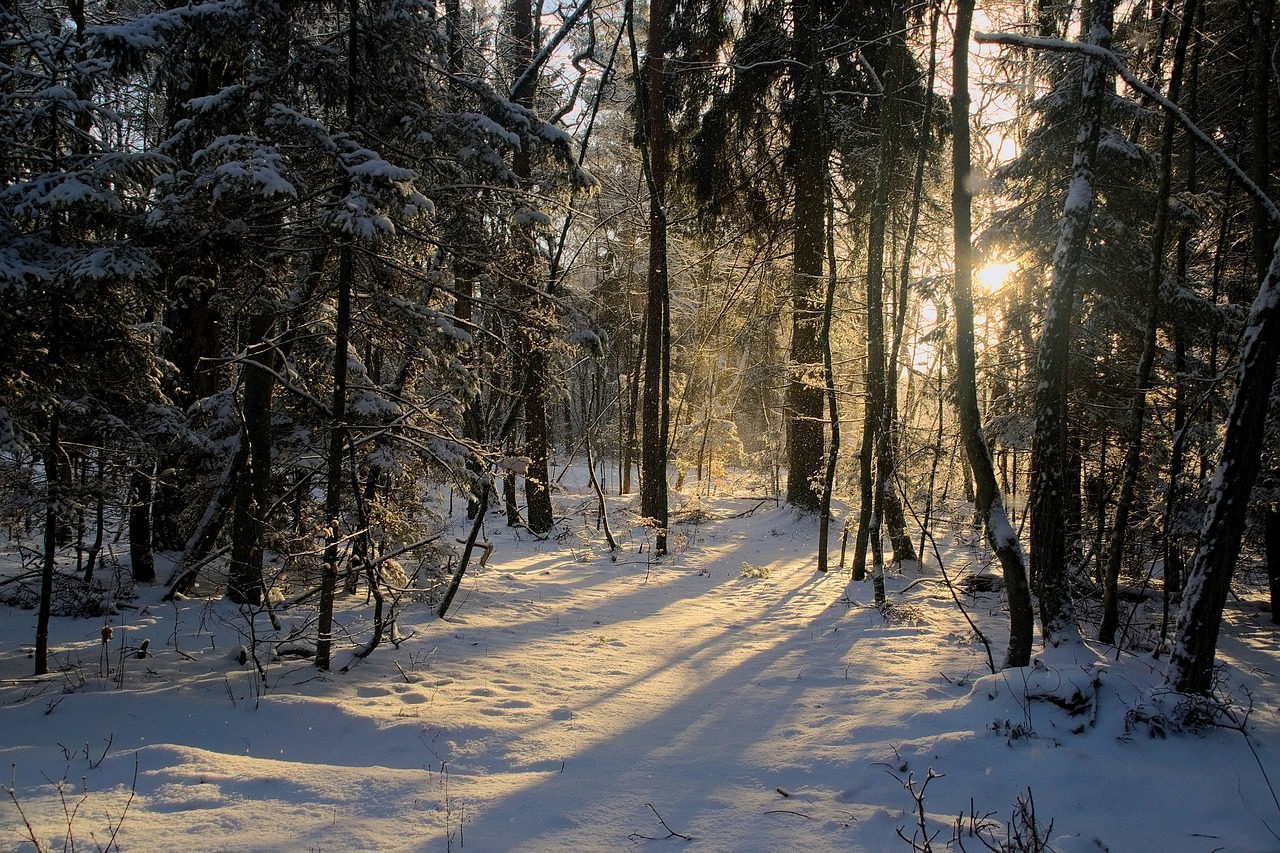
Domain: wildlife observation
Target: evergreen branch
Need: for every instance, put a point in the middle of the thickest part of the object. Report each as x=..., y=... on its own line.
x=1109, y=57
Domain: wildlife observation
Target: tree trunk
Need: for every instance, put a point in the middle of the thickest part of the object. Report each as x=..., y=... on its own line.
x=1271, y=523
x=1048, y=453
x=879, y=418
x=1262, y=84
x=653, y=360
x=53, y=460
x=1190, y=668
x=142, y=564
x=654, y=418
x=895, y=517
x=990, y=505
x=866, y=480
x=808, y=156
x=1173, y=556
x=632, y=415
x=338, y=408
x=337, y=442
x=510, y=494
x=253, y=489
x=878, y=456
x=540, y=515
x=1138, y=405
x=1261, y=81
x=99, y=520
x=829, y=374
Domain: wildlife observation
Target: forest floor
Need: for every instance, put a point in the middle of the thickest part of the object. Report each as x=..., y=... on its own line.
x=725, y=698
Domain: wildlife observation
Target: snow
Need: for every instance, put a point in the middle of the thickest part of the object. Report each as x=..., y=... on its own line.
x=102, y=263
x=225, y=97
x=1001, y=531
x=248, y=164
x=573, y=698
x=485, y=125
x=1079, y=196
x=14, y=268
x=367, y=164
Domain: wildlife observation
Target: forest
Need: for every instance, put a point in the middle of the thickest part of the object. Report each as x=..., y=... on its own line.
x=287, y=287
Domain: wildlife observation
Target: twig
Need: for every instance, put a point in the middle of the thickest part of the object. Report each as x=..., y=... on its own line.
x=31, y=832
x=133, y=790
x=789, y=811
x=405, y=675
x=1239, y=724
x=933, y=544
x=925, y=844
x=671, y=833
x=93, y=765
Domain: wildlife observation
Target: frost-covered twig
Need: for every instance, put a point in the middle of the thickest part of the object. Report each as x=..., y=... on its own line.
x=11, y=790
x=925, y=842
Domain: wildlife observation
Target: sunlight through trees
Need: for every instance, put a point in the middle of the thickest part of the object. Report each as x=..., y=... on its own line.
x=286, y=288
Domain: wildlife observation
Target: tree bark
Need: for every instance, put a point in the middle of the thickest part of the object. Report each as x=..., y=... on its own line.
x=142, y=564
x=337, y=441
x=654, y=403
x=1190, y=668
x=539, y=513
x=253, y=489
x=1146, y=363
x=829, y=375
x=1261, y=81
x=1271, y=522
x=540, y=516
x=338, y=408
x=631, y=418
x=1001, y=536
x=894, y=516
x=1048, y=454
x=53, y=497
x=808, y=155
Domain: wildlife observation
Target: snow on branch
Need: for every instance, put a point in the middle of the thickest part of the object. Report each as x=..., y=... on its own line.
x=1037, y=43
x=525, y=82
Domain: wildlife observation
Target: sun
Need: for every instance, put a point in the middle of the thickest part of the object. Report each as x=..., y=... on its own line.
x=993, y=276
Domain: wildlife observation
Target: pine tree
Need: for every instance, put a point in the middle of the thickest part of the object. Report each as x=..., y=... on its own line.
x=73, y=283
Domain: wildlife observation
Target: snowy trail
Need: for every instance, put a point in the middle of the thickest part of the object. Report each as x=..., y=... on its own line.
x=649, y=681
x=566, y=693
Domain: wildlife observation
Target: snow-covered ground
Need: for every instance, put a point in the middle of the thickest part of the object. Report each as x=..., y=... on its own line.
x=727, y=698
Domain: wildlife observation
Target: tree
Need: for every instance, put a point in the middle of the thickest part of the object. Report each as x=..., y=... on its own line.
x=1138, y=405
x=653, y=131
x=808, y=149
x=1190, y=668
x=73, y=282
x=1049, y=563
x=244, y=577
x=1001, y=536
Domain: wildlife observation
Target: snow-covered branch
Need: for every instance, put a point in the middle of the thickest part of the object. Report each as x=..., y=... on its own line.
x=1036, y=43
x=526, y=80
